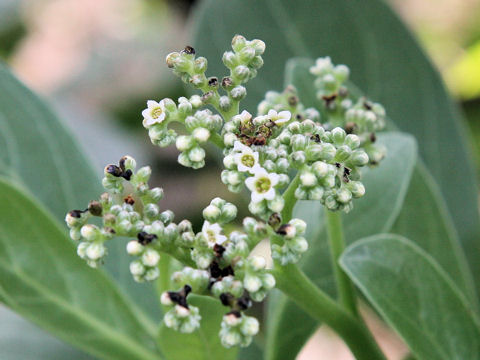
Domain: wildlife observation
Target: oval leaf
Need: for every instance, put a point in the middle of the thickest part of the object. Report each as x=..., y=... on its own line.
x=204, y=343
x=415, y=296
x=43, y=280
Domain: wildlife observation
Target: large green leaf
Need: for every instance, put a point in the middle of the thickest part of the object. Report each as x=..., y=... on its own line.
x=375, y=212
x=204, y=343
x=43, y=280
x=386, y=62
x=415, y=296
x=21, y=340
x=37, y=151
x=424, y=219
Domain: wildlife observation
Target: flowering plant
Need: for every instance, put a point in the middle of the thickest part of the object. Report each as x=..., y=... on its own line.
x=332, y=198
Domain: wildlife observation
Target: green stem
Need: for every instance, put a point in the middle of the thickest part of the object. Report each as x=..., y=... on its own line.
x=298, y=287
x=336, y=241
x=217, y=140
x=163, y=282
x=290, y=199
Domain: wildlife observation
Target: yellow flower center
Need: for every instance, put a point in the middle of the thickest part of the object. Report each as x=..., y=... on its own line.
x=156, y=112
x=263, y=184
x=248, y=160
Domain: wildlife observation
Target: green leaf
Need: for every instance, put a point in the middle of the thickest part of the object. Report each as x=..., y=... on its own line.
x=415, y=296
x=38, y=152
x=204, y=343
x=386, y=187
x=385, y=61
x=42, y=279
x=424, y=219
x=32, y=344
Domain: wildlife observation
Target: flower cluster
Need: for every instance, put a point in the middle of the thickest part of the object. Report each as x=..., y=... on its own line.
x=283, y=153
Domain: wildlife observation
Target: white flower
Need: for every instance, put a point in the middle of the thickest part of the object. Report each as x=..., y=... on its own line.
x=245, y=116
x=279, y=118
x=213, y=233
x=154, y=113
x=262, y=185
x=245, y=158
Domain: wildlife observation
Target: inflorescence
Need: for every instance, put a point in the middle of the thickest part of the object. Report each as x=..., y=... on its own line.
x=317, y=151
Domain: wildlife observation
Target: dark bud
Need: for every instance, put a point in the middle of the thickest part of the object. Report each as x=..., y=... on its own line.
x=367, y=105
x=213, y=82
x=114, y=170
x=284, y=229
x=244, y=302
x=373, y=137
x=227, y=82
x=350, y=127
x=188, y=50
x=226, y=299
x=129, y=200
x=109, y=230
x=299, y=117
x=121, y=163
x=76, y=213
x=127, y=174
x=316, y=138
x=292, y=100
x=95, y=208
x=338, y=165
x=227, y=271
x=219, y=250
x=329, y=99
x=145, y=238
x=215, y=271
x=274, y=220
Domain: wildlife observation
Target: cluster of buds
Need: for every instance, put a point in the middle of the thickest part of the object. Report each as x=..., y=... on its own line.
x=315, y=154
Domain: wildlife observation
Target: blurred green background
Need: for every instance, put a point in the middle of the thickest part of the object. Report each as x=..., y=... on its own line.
x=98, y=61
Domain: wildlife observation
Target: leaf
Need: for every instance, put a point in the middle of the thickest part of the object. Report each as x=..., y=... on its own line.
x=33, y=344
x=415, y=296
x=424, y=219
x=43, y=280
x=38, y=152
x=204, y=343
x=385, y=61
x=386, y=187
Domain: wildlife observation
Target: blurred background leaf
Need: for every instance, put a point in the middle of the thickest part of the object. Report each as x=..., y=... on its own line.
x=415, y=296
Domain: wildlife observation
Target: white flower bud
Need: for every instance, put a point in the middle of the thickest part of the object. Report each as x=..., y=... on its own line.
x=182, y=311
x=95, y=251
x=197, y=154
x=184, y=142
x=252, y=283
x=143, y=174
x=232, y=320
x=300, y=225
x=269, y=281
x=211, y=213
x=150, y=257
x=165, y=299
x=134, y=248
x=338, y=135
x=81, y=249
x=308, y=179
x=89, y=232
x=250, y=326
x=258, y=262
x=238, y=93
x=75, y=234
x=137, y=268
x=129, y=162
x=152, y=274
x=229, y=139
x=344, y=196
x=201, y=134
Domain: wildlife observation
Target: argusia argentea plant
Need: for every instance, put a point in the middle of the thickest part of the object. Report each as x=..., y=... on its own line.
x=283, y=154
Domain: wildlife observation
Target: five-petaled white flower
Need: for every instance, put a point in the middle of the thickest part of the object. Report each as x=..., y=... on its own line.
x=262, y=185
x=245, y=158
x=279, y=118
x=154, y=113
x=213, y=233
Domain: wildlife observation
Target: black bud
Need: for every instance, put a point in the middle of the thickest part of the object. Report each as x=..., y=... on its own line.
x=189, y=50
x=145, y=238
x=114, y=170
x=76, y=213
x=127, y=174
x=213, y=82
x=95, y=208
x=274, y=220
